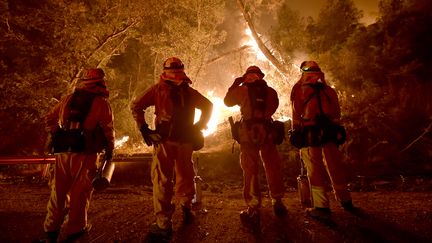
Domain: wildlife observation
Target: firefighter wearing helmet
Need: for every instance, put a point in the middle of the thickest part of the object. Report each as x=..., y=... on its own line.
x=258, y=102
x=316, y=114
x=174, y=139
x=81, y=127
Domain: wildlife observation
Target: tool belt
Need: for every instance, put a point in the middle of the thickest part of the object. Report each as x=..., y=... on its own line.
x=70, y=140
x=186, y=134
x=314, y=135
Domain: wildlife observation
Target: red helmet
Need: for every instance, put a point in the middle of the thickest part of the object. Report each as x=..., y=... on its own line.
x=310, y=66
x=93, y=74
x=254, y=69
x=173, y=63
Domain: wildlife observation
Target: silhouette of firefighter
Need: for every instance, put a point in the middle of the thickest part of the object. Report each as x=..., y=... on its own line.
x=174, y=139
x=318, y=133
x=81, y=127
x=257, y=138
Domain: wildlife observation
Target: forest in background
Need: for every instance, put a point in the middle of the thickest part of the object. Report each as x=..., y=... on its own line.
x=380, y=71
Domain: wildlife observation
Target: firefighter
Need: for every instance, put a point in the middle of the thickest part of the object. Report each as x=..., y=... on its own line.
x=81, y=127
x=316, y=112
x=174, y=139
x=258, y=102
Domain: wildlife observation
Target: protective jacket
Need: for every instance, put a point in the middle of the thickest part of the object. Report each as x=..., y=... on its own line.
x=306, y=104
x=174, y=109
x=239, y=95
x=98, y=122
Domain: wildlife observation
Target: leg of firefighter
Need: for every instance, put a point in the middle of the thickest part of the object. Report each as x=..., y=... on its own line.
x=273, y=169
x=83, y=168
x=56, y=208
x=249, y=159
x=338, y=172
x=185, y=189
x=313, y=159
x=162, y=178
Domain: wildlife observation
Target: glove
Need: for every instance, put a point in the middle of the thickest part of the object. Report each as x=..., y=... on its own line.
x=108, y=155
x=237, y=82
x=146, y=132
x=200, y=126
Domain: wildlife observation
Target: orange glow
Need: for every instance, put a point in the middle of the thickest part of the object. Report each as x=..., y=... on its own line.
x=219, y=115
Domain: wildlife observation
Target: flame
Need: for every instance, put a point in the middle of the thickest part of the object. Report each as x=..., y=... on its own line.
x=120, y=142
x=219, y=114
x=250, y=41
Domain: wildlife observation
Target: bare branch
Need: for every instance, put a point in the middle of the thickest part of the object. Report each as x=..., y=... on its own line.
x=428, y=129
x=244, y=47
x=101, y=45
x=267, y=53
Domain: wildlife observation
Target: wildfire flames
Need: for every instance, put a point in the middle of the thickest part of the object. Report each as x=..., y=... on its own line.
x=219, y=114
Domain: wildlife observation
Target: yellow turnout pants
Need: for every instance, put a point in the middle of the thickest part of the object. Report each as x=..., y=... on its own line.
x=326, y=162
x=71, y=191
x=171, y=158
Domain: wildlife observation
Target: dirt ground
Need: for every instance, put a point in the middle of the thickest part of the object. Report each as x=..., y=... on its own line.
x=123, y=213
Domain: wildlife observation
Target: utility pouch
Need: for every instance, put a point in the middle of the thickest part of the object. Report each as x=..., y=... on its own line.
x=165, y=130
x=335, y=133
x=297, y=138
x=197, y=139
x=278, y=130
x=235, y=129
x=68, y=141
x=314, y=136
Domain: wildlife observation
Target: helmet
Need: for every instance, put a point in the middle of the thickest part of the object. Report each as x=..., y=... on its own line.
x=173, y=70
x=173, y=63
x=93, y=74
x=254, y=69
x=310, y=66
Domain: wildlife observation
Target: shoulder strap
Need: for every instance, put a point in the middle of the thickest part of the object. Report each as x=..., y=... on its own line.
x=317, y=90
x=258, y=96
x=79, y=107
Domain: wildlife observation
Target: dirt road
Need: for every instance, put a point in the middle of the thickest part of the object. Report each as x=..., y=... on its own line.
x=123, y=213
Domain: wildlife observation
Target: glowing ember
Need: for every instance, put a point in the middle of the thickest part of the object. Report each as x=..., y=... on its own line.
x=219, y=115
x=119, y=142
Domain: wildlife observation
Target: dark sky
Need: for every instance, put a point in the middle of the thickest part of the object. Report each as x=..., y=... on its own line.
x=312, y=7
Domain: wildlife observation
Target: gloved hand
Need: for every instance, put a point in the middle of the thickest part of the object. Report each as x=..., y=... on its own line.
x=237, y=82
x=146, y=132
x=200, y=125
x=108, y=155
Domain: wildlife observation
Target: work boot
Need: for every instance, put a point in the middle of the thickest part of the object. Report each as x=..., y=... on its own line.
x=188, y=216
x=348, y=206
x=50, y=237
x=157, y=234
x=73, y=237
x=319, y=213
x=279, y=208
x=250, y=218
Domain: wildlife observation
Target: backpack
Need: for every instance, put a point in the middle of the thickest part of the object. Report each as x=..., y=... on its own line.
x=71, y=137
x=324, y=131
x=257, y=92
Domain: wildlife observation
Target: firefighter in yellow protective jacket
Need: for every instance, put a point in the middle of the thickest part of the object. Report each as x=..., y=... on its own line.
x=316, y=112
x=258, y=102
x=174, y=139
x=81, y=127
